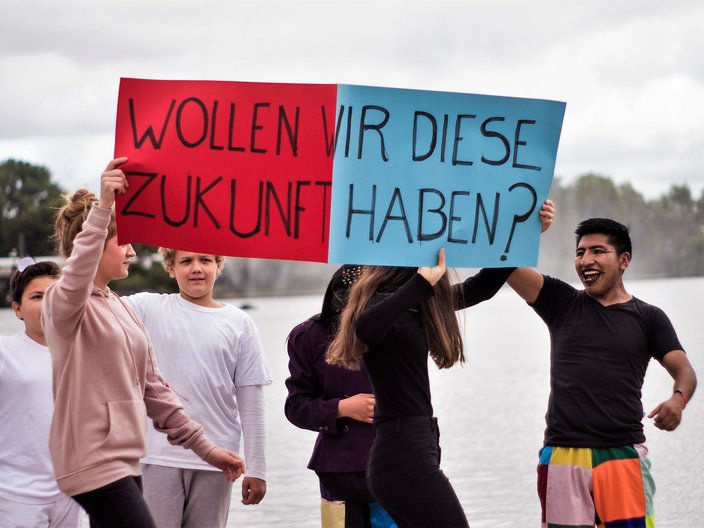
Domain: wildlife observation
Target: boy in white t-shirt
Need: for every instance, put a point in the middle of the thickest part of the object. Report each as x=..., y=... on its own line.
x=211, y=355
x=29, y=495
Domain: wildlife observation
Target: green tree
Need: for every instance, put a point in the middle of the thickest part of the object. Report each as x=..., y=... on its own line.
x=681, y=236
x=667, y=233
x=28, y=202
x=699, y=208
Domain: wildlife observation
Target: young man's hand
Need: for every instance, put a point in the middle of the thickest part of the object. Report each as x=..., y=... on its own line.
x=547, y=215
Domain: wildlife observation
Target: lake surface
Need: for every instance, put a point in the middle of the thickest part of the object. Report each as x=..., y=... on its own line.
x=491, y=414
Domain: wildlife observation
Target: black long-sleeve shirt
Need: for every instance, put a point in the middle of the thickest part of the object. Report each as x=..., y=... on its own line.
x=392, y=328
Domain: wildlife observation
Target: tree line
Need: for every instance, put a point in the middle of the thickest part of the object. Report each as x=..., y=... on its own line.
x=667, y=232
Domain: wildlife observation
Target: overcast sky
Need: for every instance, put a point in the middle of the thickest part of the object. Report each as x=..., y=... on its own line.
x=631, y=72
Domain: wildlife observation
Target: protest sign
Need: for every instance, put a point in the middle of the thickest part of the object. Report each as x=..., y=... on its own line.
x=416, y=171
x=227, y=168
x=335, y=173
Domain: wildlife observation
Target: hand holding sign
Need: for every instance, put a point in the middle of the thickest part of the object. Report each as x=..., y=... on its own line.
x=112, y=181
x=434, y=274
x=547, y=215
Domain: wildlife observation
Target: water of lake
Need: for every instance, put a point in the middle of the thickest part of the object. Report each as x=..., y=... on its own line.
x=490, y=413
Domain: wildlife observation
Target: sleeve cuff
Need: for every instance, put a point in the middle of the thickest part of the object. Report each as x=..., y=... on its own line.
x=98, y=218
x=202, y=447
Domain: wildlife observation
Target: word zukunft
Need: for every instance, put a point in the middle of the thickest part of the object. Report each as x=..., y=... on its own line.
x=248, y=207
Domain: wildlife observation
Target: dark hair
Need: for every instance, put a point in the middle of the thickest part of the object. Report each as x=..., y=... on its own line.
x=437, y=318
x=20, y=279
x=617, y=233
x=335, y=298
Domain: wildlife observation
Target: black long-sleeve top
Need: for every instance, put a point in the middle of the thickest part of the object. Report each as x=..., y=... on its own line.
x=397, y=358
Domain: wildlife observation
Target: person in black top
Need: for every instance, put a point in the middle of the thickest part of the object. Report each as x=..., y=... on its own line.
x=394, y=319
x=593, y=467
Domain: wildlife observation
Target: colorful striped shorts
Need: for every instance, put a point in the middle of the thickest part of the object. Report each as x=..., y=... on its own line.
x=582, y=487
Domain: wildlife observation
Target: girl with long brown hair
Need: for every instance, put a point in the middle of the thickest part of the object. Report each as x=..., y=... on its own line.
x=394, y=319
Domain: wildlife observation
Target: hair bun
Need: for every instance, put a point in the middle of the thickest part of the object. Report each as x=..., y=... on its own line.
x=78, y=204
x=83, y=196
x=70, y=218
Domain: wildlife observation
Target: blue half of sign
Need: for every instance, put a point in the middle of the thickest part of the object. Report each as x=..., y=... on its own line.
x=415, y=171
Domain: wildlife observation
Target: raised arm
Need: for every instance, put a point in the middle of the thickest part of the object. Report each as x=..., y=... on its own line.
x=382, y=312
x=112, y=181
x=528, y=282
x=65, y=301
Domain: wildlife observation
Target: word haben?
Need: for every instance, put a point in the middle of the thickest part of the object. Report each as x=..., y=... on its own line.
x=447, y=215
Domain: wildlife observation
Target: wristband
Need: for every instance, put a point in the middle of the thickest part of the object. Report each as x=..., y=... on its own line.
x=683, y=396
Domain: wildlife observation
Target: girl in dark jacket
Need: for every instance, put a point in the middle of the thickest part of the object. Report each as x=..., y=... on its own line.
x=338, y=404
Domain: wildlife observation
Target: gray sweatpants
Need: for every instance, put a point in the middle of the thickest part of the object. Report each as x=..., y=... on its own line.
x=189, y=498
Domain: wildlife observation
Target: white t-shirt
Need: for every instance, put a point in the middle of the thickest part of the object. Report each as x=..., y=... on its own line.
x=26, y=407
x=204, y=355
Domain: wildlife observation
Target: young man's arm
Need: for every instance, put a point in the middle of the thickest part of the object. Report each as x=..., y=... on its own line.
x=527, y=283
x=668, y=414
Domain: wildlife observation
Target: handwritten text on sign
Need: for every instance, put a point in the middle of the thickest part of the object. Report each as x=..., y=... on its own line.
x=227, y=168
x=247, y=169
x=416, y=171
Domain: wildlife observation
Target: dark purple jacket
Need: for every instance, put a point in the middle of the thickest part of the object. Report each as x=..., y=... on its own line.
x=314, y=390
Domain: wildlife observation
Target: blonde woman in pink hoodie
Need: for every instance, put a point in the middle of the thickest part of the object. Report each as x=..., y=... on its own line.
x=105, y=378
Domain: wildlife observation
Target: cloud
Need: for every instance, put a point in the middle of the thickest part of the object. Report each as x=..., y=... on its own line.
x=631, y=72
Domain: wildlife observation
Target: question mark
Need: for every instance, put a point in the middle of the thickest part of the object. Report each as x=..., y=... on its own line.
x=517, y=219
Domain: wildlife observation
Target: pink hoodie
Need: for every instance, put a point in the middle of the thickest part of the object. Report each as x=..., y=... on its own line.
x=106, y=381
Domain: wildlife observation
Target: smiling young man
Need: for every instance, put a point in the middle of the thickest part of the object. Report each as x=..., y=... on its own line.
x=212, y=355
x=593, y=468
